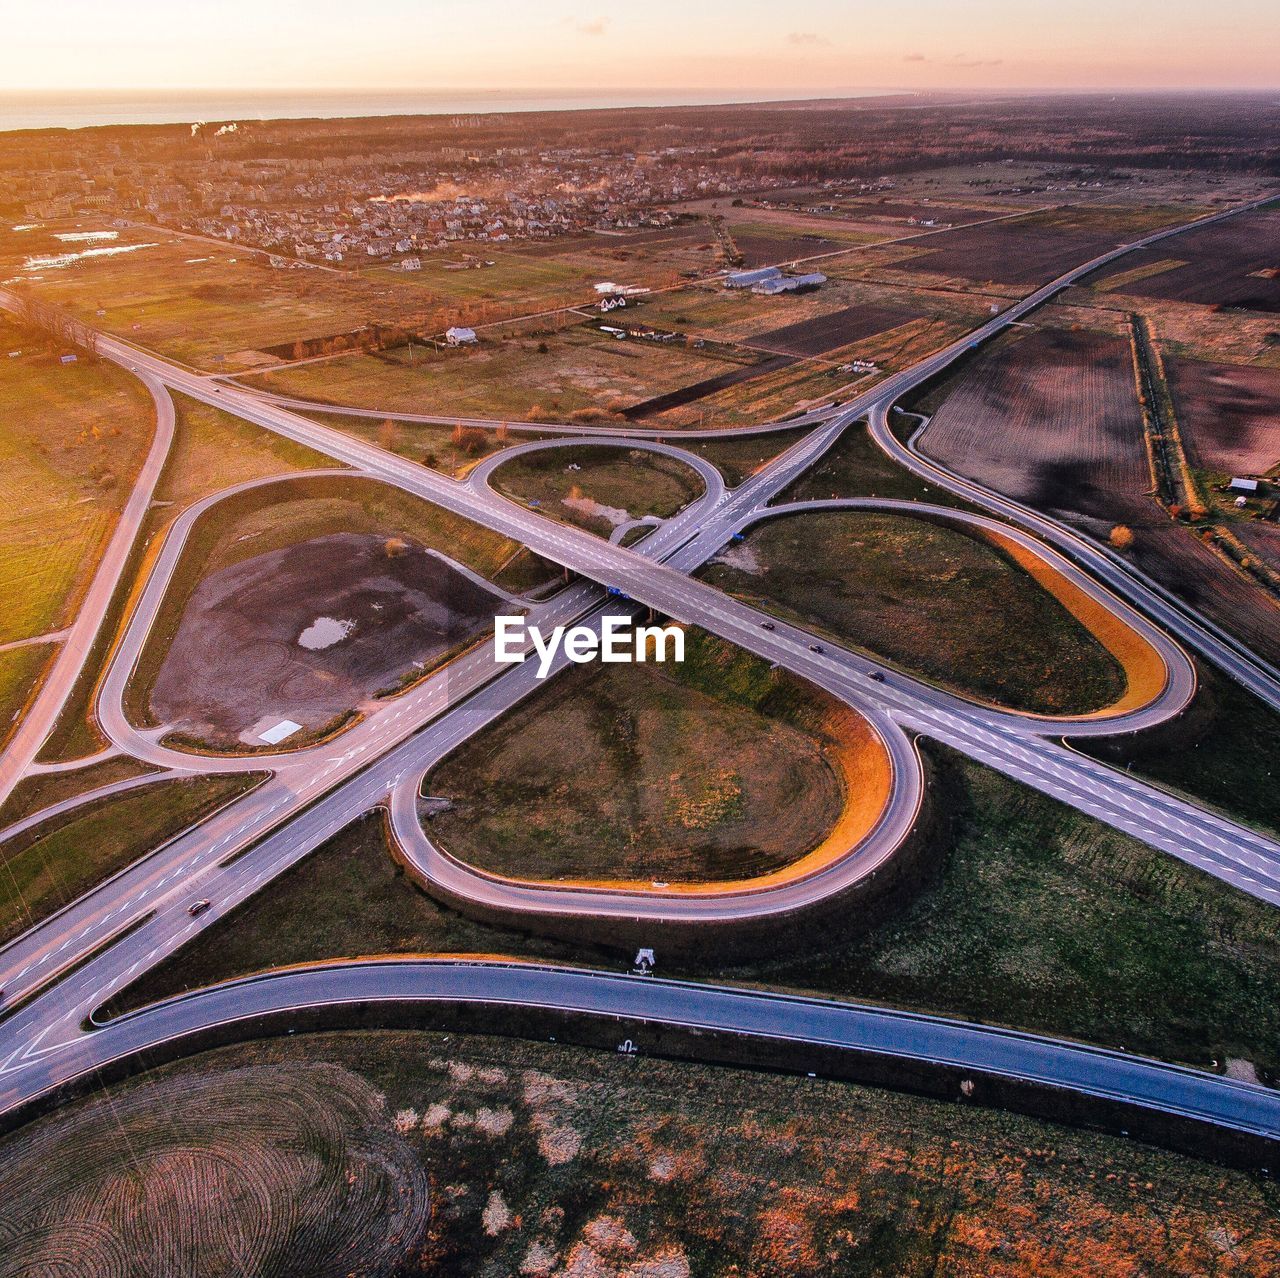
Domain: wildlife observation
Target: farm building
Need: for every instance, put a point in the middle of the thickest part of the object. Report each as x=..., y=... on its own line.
x=749, y=279
x=789, y=283
x=1238, y=485
x=461, y=336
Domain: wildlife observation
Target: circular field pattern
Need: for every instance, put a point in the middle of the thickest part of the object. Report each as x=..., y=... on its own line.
x=258, y=1170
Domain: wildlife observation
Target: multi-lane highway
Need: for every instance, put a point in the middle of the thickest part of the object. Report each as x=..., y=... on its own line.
x=311, y=794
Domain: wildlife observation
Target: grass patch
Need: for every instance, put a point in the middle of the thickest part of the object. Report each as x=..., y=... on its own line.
x=74, y=437
x=45, y=869
x=44, y=789
x=738, y=459
x=20, y=668
x=1045, y=919
x=1038, y=917
x=855, y=466
x=536, y=1152
x=716, y=768
x=597, y=488
x=1223, y=751
x=936, y=600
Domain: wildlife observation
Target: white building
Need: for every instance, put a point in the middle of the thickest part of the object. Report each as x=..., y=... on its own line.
x=461, y=336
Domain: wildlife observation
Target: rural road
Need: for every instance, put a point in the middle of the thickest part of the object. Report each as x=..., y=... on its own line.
x=252, y=840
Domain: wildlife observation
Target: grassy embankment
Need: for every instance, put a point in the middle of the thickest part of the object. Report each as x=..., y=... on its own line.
x=51, y=865
x=372, y=1150
x=939, y=601
x=1037, y=917
x=211, y=451
x=597, y=488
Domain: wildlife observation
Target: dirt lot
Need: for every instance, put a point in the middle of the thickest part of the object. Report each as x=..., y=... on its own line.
x=1053, y=420
x=933, y=598
x=1229, y=415
x=1218, y=266
x=310, y=631
x=394, y=1153
x=711, y=770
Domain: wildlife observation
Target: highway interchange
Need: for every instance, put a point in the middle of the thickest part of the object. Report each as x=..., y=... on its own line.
x=62, y=969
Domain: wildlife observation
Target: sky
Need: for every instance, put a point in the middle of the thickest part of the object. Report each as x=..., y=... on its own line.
x=783, y=45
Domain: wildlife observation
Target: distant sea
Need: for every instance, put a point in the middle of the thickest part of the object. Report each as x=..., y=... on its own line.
x=32, y=110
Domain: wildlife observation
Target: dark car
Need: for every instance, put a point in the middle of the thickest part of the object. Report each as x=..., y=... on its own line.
x=877, y=676
x=766, y=625
x=198, y=907
x=816, y=647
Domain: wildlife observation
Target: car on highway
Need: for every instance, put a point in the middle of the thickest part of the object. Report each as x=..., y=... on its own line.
x=816, y=647
x=198, y=907
x=877, y=676
x=767, y=625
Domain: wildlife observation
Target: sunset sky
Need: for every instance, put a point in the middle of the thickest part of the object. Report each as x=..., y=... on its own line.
x=706, y=44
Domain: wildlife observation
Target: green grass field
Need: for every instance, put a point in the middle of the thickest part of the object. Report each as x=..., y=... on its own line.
x=369, y=1151
x=46, y=869
x=33, y=793
x=934, y=599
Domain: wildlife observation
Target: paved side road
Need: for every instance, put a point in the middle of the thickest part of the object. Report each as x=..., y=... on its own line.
x=1142, y=1086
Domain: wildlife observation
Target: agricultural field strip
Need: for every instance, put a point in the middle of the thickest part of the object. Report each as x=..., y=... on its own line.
x=61, y=677
x=806, y=453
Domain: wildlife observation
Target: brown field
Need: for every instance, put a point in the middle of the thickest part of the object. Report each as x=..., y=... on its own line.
x=1007, y=252
x=1263, y=538
x=255, y=1169
x=577, y=371
x=389, y=1153
x=1221, y=265
x=400, y=597
x=718, y=772
x=829, y=332
x=1051, y=419
x=1229, y=415
x=764, y=245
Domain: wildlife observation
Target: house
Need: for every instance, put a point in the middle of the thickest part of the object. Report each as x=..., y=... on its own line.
x=1247, y=486
x=411, y=264
x=461, y=336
